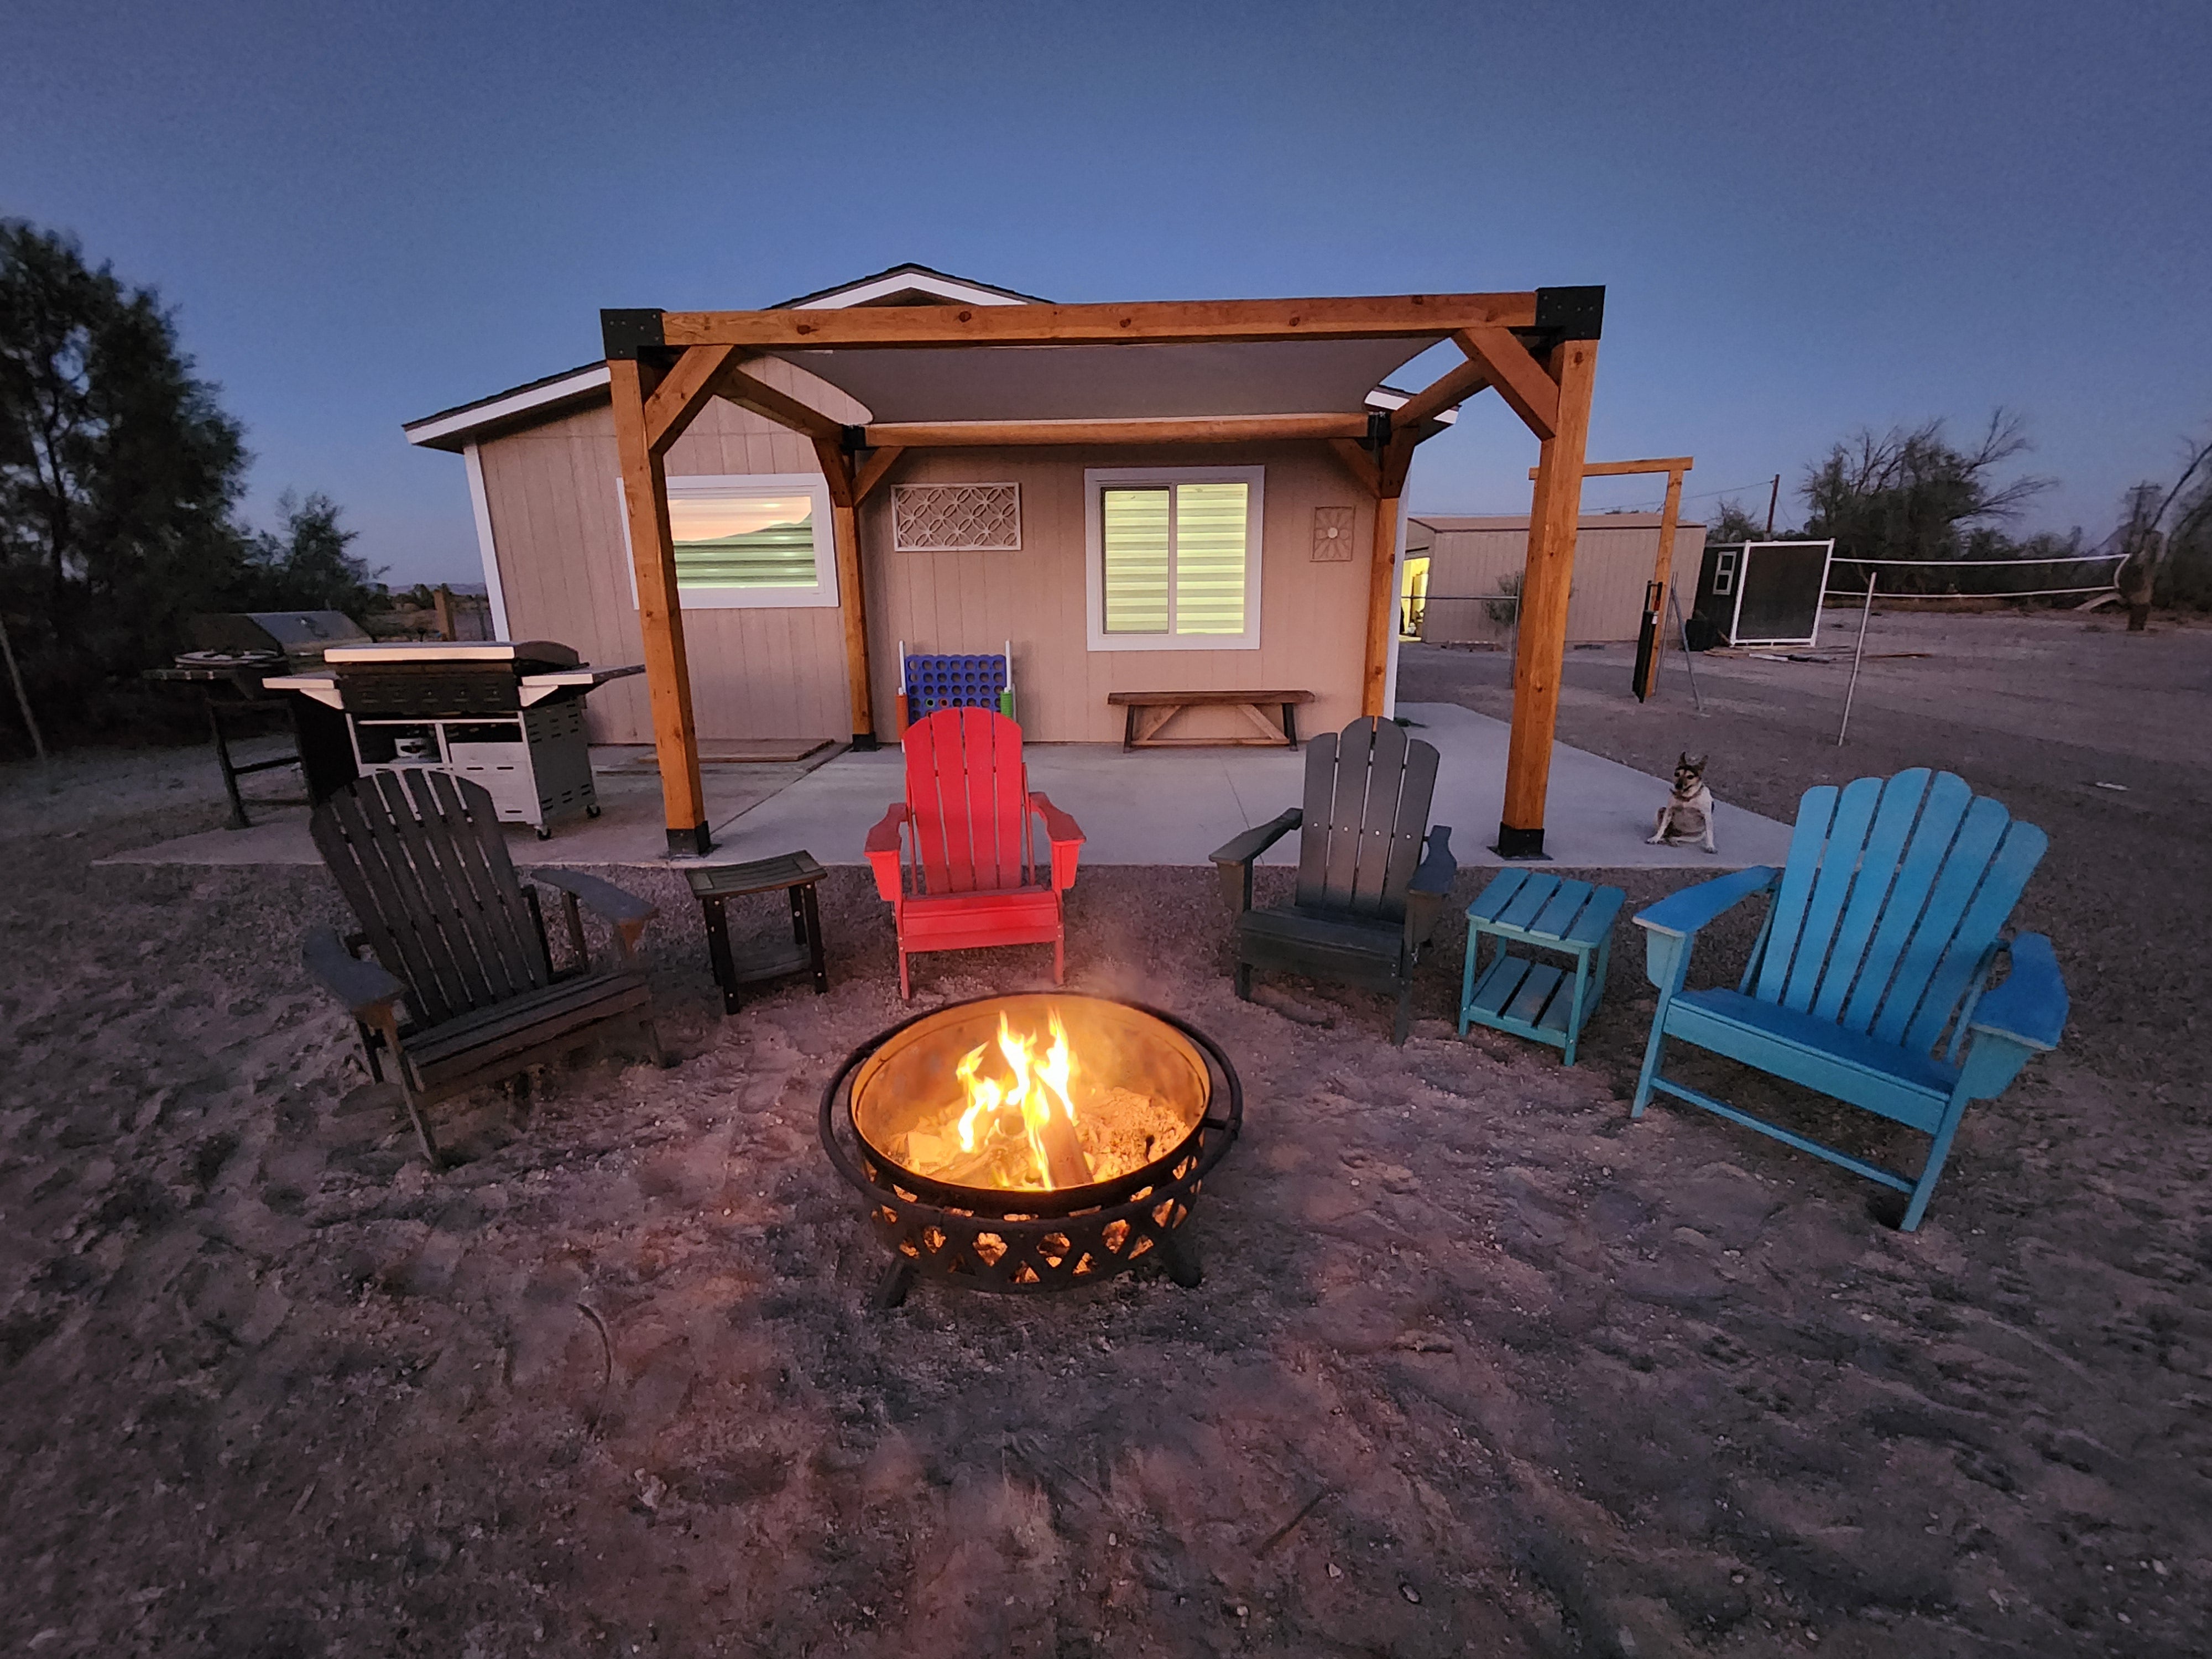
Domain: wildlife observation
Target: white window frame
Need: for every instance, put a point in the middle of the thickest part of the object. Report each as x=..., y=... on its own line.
x=822, y=595
x=1097, y=479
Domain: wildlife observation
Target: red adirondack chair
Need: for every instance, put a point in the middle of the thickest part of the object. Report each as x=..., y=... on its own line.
x=970, y=877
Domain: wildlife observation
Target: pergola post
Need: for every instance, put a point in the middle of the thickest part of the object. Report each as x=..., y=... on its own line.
x=1663, y=570
x=1546, y=587
x=1381, y=606
x=659, y=605
x=851, y=602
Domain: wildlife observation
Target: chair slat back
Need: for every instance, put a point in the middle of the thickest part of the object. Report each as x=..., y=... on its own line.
x=967, y=793
x=1367, y=796
x=420, y=858
x=1893, y=895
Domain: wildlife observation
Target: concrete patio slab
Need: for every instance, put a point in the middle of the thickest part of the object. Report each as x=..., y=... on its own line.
x=1175, y=807
x=1153, y=807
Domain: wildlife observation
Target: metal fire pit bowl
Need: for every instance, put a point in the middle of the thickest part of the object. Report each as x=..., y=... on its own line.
x=1023, y=1241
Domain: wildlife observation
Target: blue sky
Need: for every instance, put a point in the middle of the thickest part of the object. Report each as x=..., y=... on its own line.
x=1809, y=218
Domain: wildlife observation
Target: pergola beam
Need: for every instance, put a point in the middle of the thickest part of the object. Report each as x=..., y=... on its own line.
x=762, y=400
x=1662, y=568
x=1519, y=377
x=1185, y=430
x=872, y=472
x=1445, y=392
x=1191, y=322
x=1359, y=461
x=682, y=393
x=1626, y=469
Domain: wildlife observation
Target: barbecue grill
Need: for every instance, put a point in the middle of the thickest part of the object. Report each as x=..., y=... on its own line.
x=231, y=662
x=507, y=714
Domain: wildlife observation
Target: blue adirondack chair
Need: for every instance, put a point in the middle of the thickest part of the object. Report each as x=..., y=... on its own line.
x=1871, y=980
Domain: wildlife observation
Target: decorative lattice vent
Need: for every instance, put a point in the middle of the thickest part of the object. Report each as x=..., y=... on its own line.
x=962, y=518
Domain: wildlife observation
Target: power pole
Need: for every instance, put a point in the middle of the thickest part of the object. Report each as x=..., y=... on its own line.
x=1773, y=496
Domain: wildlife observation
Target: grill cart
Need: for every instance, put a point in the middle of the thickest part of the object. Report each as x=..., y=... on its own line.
x=231, y=662
x=507, y=714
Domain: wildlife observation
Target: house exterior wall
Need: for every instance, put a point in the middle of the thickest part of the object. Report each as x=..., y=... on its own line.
x=1313, y=614
x=1614, y=553
x=555, y=502
x=563, y=566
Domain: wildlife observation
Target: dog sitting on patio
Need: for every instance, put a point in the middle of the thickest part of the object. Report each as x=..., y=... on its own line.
x=1688, y=814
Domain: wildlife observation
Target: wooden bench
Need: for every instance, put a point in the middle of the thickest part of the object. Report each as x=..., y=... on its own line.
x=1150, y=710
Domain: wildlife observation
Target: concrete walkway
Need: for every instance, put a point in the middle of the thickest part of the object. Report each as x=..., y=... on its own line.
x=1153, y=807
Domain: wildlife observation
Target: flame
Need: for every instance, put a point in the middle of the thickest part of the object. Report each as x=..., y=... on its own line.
x=1035, y=1090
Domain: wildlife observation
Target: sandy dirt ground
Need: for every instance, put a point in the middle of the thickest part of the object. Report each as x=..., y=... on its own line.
x=1478, y=1365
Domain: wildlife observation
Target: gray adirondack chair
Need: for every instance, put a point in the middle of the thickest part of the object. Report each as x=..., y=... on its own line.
x=457, y=939
x=1871, y=980
x=1372, y=874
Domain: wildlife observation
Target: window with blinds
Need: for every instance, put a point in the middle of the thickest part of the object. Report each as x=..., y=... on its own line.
x=747, y=541
x=1174, y=557
x=744, y=540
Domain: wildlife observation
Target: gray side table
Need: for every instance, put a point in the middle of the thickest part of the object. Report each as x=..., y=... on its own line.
x=768, y=957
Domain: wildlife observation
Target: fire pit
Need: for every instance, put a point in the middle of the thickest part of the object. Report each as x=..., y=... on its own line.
x=1032, y=1142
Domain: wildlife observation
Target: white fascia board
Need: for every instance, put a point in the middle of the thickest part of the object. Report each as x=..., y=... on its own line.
x=481, y=505
x=1389, y=397
x=898, y=281
x=521, y=402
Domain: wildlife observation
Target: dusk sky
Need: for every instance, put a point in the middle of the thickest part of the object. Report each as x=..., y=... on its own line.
x=1808, y=219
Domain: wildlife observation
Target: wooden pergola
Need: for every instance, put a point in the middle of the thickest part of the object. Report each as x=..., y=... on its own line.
x=1675, y=467
x=1538, y=350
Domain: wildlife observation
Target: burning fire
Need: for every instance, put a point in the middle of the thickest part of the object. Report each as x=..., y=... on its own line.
x=1035, y=1103
x=1014, y=1122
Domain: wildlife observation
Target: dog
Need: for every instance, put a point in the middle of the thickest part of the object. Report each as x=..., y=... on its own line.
x=1688, y=814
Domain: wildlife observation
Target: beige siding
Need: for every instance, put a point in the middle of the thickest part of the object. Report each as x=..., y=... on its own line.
x=556, y=525
x=1613, y=558
x=1313, y=616
x=563, y=565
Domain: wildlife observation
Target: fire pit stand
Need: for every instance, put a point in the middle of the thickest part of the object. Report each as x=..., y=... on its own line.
x=1021, y=1242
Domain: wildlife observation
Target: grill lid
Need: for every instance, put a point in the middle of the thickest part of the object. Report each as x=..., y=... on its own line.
x=520, y=655
x=302, y=636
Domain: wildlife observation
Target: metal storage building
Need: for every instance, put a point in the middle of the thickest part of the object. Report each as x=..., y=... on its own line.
x=1460, y=572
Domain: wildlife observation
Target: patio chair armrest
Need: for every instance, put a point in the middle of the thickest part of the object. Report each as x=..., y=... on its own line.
x=1684, y=912
x=627, y=913
x=1065, y=836
x=366, y=987
x=1233, y=859
x=2030, y=1007
x=1671, y=925
x=1431, y=886
x=882, y=850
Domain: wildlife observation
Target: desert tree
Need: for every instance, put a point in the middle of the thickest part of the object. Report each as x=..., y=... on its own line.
x=119, y=472
x=305, y=564
x=1911, y=493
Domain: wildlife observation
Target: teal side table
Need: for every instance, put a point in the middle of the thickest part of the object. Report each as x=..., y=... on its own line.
x=1519, y=994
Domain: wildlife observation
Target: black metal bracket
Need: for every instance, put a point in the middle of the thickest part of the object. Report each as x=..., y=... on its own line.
x=1520, y=843
x=854, y=438
x=1378, y=432
x=1569, y=313
x=692, y=843
x=630, y=335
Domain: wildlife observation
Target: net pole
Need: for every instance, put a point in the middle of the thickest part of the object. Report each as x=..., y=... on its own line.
x=1857, y=652
x=1683, y=634
x=23, y=703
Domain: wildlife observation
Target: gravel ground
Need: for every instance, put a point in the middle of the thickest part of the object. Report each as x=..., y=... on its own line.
x=1478, y=1365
